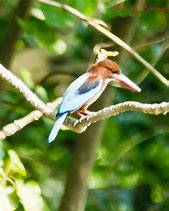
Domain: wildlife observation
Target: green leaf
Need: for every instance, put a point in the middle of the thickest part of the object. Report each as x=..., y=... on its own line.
x=37, y=13
x=27, y=77
x=56, y=17
x=16, y=162
x=41, y=92
x=30, y=195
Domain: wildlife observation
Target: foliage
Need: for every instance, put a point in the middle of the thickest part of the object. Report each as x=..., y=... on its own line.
x=14, y=190
x=132, y=167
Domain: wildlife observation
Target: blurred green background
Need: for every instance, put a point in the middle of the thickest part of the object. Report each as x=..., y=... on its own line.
x=131, y=171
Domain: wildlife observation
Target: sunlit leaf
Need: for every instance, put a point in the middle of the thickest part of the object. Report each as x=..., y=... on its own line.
x=38, y=13
x=5, y=204
x=16, y=162
x=59, y=47
x=30, y=196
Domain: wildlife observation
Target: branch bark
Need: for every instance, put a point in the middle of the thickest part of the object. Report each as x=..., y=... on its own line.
x=155, y=109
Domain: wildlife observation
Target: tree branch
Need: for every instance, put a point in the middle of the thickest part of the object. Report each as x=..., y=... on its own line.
x=155, y=109
x=19, y=124
x=108, y=34
x=80, y=126
x=26, y=92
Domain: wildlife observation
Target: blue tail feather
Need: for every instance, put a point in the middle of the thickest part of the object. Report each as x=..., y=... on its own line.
x=56, y=127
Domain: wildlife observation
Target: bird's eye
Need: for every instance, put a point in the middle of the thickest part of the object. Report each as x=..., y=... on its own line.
x=116, y=71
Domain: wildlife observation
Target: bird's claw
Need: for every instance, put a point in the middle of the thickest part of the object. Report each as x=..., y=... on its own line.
x=84, y=114
x=82, y=118
x=81, y=115
x=88, y=113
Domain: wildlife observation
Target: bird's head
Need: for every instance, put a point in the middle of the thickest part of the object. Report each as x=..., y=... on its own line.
x=112, y=71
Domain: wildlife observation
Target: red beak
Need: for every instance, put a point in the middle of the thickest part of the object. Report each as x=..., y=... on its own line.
x=126, y=82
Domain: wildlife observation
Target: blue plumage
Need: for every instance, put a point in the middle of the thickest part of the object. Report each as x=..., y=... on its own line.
x=75, y=99
x=56, y=127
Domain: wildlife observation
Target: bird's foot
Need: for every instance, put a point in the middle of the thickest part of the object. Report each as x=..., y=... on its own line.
x=81, y=115
x=84, y=114
x=88, y=113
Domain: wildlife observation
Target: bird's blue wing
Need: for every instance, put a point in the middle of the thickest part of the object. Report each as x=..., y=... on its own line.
x=76, y=84
x=74, y=100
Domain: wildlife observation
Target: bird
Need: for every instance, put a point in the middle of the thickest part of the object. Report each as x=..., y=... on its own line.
x=86, y=89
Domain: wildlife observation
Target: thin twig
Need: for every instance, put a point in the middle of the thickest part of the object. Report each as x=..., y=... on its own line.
x=155, y=60
x=111, y=36
x=117, y=2
x=150, y=42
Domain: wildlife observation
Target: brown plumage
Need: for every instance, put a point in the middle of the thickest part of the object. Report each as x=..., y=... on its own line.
x=105, y=68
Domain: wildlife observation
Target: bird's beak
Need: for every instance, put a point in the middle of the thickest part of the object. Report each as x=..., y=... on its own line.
x=125, y=82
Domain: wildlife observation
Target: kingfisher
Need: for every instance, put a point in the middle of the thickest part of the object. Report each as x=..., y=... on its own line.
x=86, y=89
